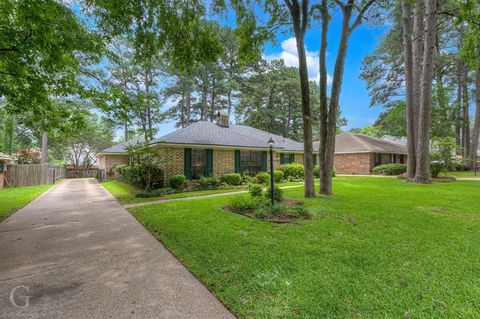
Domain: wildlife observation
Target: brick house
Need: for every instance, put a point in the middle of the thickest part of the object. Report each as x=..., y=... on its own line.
x=359, y=153
x=208, y=148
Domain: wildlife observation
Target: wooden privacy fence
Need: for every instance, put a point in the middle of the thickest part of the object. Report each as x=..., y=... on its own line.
x=18, y=175
x=81, y=172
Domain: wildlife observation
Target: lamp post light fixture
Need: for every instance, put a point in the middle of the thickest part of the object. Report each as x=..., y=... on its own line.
x=271, y=142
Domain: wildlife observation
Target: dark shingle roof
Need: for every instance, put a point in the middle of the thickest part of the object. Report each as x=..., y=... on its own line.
x=120, y=148
x=348, y=142
x=209, y=133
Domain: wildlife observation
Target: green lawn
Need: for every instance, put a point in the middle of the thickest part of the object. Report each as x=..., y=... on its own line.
x=379, y=248
x=12, y=199
x=464, y=174
x=125, y=193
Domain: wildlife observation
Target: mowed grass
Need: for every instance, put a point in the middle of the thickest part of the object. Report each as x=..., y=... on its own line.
x=378, y=248
x=464, y=174
x=12, y=199
x=125, y=193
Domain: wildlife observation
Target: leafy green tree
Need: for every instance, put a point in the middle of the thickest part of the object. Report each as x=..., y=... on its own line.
x=269, y=99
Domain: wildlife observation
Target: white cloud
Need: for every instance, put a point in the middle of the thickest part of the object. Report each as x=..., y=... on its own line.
x=290, y=57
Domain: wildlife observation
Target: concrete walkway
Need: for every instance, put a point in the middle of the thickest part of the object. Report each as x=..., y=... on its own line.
x=75, y=252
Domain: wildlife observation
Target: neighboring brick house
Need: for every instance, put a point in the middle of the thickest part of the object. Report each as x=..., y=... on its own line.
x=208, y=148
x=359, y=153
x=115, y=155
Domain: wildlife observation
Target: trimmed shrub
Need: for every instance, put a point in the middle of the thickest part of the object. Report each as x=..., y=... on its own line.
x=263, y=178
x=437, y=168
x=298, y=211
x=178, y=181
x=242, y=203
x=278, y=176
x=255, y=190
x=262, y=212
x=210, y=182
x=148, y=175
x=247, y=179
x=390, y=169
x=293, y=171
x=231, y=179
x=156, y=192
x=277, y=194
x=316, y=171
x=278, y=209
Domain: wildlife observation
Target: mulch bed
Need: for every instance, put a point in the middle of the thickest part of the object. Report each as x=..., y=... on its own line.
x=278, y=219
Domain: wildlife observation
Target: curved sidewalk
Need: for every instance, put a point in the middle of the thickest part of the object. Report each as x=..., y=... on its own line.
x=75, y=252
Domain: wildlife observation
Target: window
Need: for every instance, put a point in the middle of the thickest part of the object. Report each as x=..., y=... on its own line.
x=198, y=163
x=402, y=159
x=287, y=158
x=250, y=162
x=377, y=159
x=393, y=158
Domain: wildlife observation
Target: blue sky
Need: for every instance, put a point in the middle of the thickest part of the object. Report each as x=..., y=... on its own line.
x=354, y=99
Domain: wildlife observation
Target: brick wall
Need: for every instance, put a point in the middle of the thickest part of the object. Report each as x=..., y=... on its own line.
x=357, y=163
x=299, y=158
x=223, y=162
x=172, y=162
x=109, y=161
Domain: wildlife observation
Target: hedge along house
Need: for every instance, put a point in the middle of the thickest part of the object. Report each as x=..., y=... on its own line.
x=213, y=149
x=359, y=153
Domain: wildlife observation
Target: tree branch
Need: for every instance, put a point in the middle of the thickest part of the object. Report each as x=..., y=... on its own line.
x=360, y=14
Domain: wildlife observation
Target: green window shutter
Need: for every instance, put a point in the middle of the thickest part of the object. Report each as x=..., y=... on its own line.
x=315, y=160
x=263, y=158
x=237, y=162
x=209, y=162
x=187, y=163
x=282, y=158
x=292, y=158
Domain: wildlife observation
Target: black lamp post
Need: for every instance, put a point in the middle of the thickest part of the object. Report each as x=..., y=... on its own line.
x=270, y=143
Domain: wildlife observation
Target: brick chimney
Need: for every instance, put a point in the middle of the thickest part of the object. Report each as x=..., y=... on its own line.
x=222, y=119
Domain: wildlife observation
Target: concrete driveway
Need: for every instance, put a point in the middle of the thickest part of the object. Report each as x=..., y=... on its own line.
x=75, y=252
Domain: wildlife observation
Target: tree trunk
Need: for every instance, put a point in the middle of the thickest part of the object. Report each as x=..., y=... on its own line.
x=270, y=105
x=325, y=188
x=422, y=173
x=329, y=142
x=476, y=124
x=214, y=95
x=418, y=50
x=44, y=154
x=409, y=83
x=188, y=104
x=205, y=96
x=458, y=105
x=182, y=108
x=466, y=118
x=299, y=15
x=125, y=130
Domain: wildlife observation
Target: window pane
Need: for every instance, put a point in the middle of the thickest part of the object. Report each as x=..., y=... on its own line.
x=198, y=163
x=250, y=162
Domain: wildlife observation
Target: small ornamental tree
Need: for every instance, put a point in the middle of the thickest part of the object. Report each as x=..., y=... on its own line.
x=148, y=164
